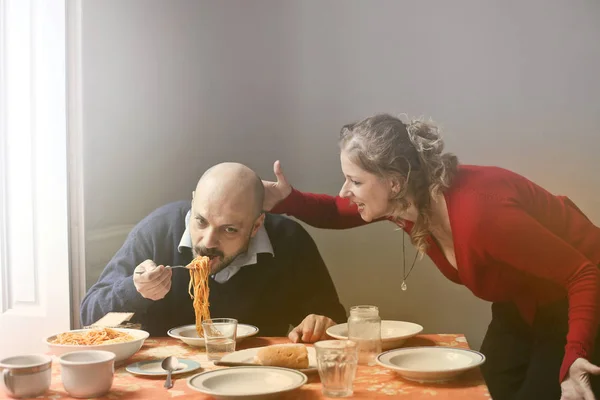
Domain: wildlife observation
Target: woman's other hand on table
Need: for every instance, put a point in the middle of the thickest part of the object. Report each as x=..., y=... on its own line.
x=576, y=385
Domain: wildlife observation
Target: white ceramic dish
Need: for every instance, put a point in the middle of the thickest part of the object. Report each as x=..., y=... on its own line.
x=393, y=333
x=25, y=376
x=247, y=383
x=87, y=374
x=430, y=364
x=122, y=350
x=247, y=356
x=187, y=334
x=154, y=367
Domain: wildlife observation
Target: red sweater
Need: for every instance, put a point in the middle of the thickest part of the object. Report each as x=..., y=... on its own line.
x=514, y=241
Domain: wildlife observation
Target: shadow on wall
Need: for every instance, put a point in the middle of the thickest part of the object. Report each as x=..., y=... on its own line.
x=100, y=246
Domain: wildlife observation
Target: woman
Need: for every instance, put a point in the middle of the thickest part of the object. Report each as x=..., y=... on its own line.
x=533, y=254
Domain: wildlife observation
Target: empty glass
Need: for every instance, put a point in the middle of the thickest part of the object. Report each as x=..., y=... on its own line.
x=336, y=362
x=219, y=337
x=364, y=328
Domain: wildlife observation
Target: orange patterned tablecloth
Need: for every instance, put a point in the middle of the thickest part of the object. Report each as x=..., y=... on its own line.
x=370, y=383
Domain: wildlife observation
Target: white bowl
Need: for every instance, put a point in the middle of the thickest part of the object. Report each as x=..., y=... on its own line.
x=188, y=334
x=89, y=373
x=247, y=382
x=393, y=333
x=430, y=364
x=122, y=350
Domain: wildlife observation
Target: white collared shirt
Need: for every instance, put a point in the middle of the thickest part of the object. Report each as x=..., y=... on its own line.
x=260, y=243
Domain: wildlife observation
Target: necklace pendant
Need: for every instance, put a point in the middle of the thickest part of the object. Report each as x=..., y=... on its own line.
x=403, y=286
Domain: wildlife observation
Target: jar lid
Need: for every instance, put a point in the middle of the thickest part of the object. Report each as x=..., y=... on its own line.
x=364, y=310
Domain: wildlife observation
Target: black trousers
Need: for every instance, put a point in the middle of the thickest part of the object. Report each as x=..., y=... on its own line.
x=523, y=361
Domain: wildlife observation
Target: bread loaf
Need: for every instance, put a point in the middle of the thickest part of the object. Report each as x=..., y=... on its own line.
x=283, y=355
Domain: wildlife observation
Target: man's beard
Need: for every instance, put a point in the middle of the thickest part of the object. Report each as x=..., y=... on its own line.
x=223, y=261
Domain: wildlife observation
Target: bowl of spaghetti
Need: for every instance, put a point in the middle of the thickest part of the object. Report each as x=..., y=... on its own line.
x=123, y=342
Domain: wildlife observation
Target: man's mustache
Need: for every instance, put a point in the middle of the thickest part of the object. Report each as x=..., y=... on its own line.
x=206, y=252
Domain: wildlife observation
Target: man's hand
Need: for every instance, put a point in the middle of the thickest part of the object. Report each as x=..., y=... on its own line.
x=152, y=282
x=576, y=385
x=276, y=191
x=311, y=329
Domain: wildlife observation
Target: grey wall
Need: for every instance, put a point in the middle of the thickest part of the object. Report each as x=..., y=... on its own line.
x=173, y=87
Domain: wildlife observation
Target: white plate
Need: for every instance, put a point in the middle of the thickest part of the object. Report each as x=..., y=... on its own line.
x=154, y=368
x=393, y=333
x=188, y=334
x=430, y=364
x=247, y=382
x=247, y=356
x=122, y=350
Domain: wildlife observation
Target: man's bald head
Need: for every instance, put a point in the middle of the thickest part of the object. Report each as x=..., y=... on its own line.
x=235, y=184
x=226, y=213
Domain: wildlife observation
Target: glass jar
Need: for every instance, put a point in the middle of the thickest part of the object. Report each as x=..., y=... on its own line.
x=364, y=328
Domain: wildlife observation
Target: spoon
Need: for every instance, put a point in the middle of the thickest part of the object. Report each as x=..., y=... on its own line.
x=169, y=364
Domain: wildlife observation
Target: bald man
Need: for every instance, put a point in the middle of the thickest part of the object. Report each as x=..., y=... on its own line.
x=265, y=269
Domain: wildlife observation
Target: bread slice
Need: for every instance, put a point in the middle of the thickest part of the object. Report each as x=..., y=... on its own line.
x=283, y=355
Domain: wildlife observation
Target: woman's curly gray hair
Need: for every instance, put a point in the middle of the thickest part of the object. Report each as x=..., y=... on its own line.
x=412, y=153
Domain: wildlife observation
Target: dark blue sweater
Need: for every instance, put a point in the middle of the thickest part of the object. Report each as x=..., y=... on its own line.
x=273, y=294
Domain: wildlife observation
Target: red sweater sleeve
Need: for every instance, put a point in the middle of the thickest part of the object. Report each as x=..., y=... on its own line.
x=519, y=240
x=320, y=210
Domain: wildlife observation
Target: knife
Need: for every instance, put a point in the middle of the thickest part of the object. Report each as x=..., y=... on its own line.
x=249, y=364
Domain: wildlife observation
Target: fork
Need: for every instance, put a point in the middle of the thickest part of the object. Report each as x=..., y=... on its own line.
x=167, y=267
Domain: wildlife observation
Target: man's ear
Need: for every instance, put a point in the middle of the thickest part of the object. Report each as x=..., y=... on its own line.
x=257, y=224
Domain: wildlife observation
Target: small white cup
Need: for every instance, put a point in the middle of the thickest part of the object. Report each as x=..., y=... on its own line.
x=26, y=376
x=87, y=373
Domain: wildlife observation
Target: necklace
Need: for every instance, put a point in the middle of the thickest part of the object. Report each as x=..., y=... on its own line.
x=405, y=275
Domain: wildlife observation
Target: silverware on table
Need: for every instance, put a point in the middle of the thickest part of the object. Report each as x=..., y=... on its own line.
x=169, y=364
x=167, y=267
x=249, y=364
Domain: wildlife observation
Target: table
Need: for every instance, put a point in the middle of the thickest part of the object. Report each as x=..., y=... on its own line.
x=371, y=382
